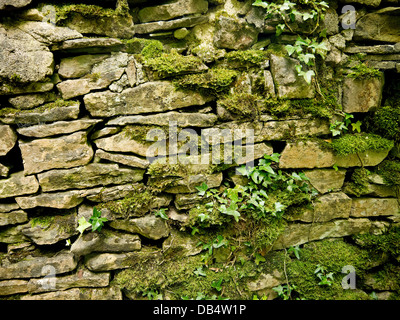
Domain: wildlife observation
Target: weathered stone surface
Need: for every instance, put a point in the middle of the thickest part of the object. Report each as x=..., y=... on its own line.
x=296, y=234
x=8, y=207
x=59, y=200
x=370, y=3
x=164, y=119
x=114, y=27
x=50, y=230
x=288, y=84
x=82, y=278
x=56, y=153
x=48, y=33
x=149, y=226
x=106, y=194
x=157, y=96
x=92, y=175
x=33, y=266
x=109, y=293
x=13, y=4
x=234, y=33
x=325, y=180
x=377, y=49
x=362, y=95
x=8, y=139
x=101, y=76
x=113, y=261
x=38, y=116
x=127, y=160
x=265, y=283
x=9, y=287
x=186, y=22
x=180, y=245
x=313, y=155
x=13, y=217
x=187, y=201
x=107, y=131
x=13, y=235
x=79, y=66
x=23, y=58
x=106, y=241
x=373, y=207
x=29, y=101
x=4, y=170
x=56, y=128
x=382, y=25
x=172, y=10
x=85, y=45
x=18, y=184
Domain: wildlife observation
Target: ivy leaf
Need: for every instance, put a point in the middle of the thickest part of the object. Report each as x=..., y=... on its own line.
x=162, y=214
x=259, y=258
x=202, y=189
x=259, y=3
x=307, y=16
x=356, y=126
x=279, y=29
x=83, y=225
x=307, y=75
x=290, y=49
x=200, y=272
x=243, y=170
x=307, y=58
x=279, y=207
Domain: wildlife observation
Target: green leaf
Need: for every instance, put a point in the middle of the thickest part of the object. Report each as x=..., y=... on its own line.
x=290, y=49
x=307, y=58
x=279, y=207
x=279, y=29
x=83, y=225
x=162, y=214
x=259, y=258
x=356, y=126
x=200, y=272
x=202, y=189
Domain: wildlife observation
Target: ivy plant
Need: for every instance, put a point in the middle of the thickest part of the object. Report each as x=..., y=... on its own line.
x=95, y=221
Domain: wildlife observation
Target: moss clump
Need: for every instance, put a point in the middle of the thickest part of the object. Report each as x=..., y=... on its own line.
x=333, y=256
x=206, y=216
x=88, y=11
x=245, y=105
x=362, y=72
x=136, y=204
x=359, y=142
x=139, y=133
x=390, y=171
x=147, y=48
x=387, y=243
x=57, y=104
x=173, y=63
x=214, y=81
x=359, y=184
x=386, y=122
x=43, y=222
x=247, y=57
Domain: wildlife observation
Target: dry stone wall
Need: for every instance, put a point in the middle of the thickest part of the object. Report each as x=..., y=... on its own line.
x=82, y=85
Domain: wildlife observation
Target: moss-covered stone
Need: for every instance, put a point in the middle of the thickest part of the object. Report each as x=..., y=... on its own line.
x=390, y=171
x=359, y=184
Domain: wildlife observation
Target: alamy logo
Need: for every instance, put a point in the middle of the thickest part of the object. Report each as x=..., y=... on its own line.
x=349, y=281
x=349, y=17
x=49, y=281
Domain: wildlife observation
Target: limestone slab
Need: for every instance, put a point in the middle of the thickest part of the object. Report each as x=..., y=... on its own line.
x=128, y=160
x=18, y=184
x=13, y=217
x=110, y=293
x=8, y=139
x=373, y=207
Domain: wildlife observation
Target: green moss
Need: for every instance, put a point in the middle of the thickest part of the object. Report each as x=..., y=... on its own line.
x=363, y=72
x=65, y=12
x=43, y=222
x=206, y=216
x=390, y=171
x=359, y=184
x=57, y=104
x=148, y=48
x=387, y=243
x=388, y=278
x=213, y=81
x=245, y=105
x=247, y=57
x=163, y=169
x=359, y=142
x=386, y=122
x=173, y=63
x=136, y=204
x=139, y=133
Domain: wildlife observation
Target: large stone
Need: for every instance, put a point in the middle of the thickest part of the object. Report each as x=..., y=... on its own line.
x=313, y=155
x=59, y=200
x=30, y=101
x=149, y=226
x=13, y=235
x=82, y=278
x=234, y=33
x=157, y=96
x=185, y=22
x=265, y=284
x=106, y=194
x=23, y=59
x=41, y=115
x=287, y=82
x=106, y=241
x=101, y=76
x=332, y=206
x=56, y=153
x=164, y=119
x=114, y=27
x=362, y=95
x=8, y=138
x=18, y=184
x=56, y=128
x=382, y=25
x=181, y=245
x=113, y=261
x=95, y=174
x=13, y=4
x=34, y=266
x=127, y=160
x=325, y=180
x=109, y=293
x=47, y=33
x=79, y=66
x=374, y=207
x=50, y=230
x=9, y=287
x=13, y=217
x=377, y=49
x=173, y=10
x=89, y=45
